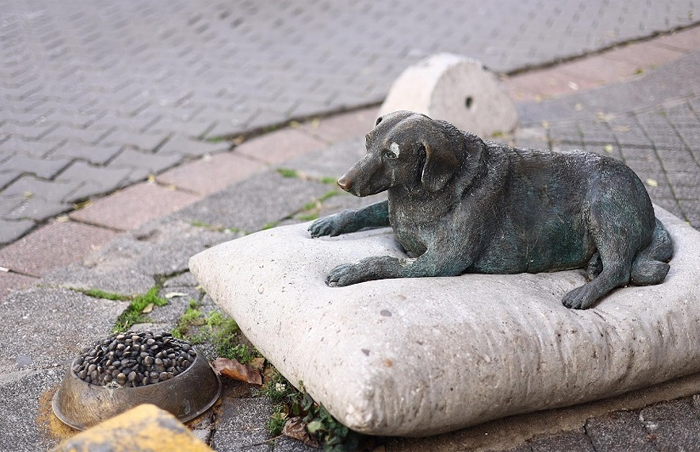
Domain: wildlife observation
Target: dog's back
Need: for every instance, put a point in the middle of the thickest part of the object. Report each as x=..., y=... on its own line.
x=543, y=218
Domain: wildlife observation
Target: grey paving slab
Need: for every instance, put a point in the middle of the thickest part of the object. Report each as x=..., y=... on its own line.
x=576, y=441
x=131, y=262
x=12, y=230
x=44, y=168
x=48, y=327
x=241, y=426
x=261, y=201
x=330, y=162
x=95, y=154
x=24, y=413
x=622, y=431
x=37, y=209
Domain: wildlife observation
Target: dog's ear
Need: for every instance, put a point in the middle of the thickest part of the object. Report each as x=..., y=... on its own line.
x=440, y=163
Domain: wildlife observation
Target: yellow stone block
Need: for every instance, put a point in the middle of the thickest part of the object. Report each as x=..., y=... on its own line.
x=145, y=428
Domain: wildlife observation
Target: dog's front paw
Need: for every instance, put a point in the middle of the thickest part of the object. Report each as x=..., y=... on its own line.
x=330, y=225
x=345, y=275
x=579, y=298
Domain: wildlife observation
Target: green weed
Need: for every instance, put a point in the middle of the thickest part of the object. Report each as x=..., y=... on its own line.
x=288, y=173
x=97, y=293
x=320, y=424
x=134, y=313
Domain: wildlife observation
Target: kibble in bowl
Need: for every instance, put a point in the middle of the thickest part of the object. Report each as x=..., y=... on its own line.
x=124, y=370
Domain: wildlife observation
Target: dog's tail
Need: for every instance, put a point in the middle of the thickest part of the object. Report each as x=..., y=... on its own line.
x=651, y=264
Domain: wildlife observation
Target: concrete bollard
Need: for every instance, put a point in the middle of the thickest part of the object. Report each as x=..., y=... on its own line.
x=456, y=89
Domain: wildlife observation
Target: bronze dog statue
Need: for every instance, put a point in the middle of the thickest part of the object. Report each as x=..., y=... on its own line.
x=460, y=205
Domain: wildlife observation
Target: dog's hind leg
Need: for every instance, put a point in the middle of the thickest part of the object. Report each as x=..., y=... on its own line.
x=650, y=266
x=616, y=246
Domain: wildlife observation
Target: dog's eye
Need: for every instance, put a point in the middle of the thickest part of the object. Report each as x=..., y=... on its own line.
x=389, y=154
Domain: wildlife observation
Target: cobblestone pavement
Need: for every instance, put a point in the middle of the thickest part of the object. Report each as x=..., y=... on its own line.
x=97, y=95
x=652, y=124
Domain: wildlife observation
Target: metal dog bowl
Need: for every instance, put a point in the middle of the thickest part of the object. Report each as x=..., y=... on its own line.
x=187, y=395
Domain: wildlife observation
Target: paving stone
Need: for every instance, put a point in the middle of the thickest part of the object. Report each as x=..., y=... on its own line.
x=261, y=201
x=566, y=442
x=131, y=262
x=134, y=206
x=13, y=281
x=152, y=163
x=25, y=411
x=522, y=448
x=51, y=246
x=687, y=40
x=342, y=127
x=30, y=186
x=95, y=154
x=76, y=135
x=550, y=83
x=10, y=202
x=691, y=211
x=93, y=180
x=182, y=145
x=28, y=132
x=331, y=162
x=44, y=168
x=12, y=230
x=690, y=135
x=7, y=177
x=673, y=425
x=240, y=426
x=643, y=56
x=58, y=315
x=88, y=93
x=195, y=129
x=165, y=318
x=143, y=141
x=184, y=280
x=279, y=146
x=600, y=69
x=672, y=81
x=37, y=209
x=621, y=431
x=211, y=174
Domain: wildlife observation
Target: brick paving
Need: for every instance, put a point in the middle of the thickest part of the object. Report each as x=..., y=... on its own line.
x=651, y=123
x=98, y=95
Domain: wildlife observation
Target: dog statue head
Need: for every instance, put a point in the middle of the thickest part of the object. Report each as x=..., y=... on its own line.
x=410, y=150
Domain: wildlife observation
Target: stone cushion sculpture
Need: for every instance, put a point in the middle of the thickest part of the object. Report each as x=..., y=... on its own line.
x=459, y=204
x=421, y=356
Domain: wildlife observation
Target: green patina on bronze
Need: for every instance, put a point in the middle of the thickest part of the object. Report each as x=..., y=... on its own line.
x=459, y=204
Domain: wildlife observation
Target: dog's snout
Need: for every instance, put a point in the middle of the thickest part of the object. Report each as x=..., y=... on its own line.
x=345, y=183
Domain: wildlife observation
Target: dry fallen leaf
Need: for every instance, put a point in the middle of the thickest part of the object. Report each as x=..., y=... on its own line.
x=237, y=371
x=295, y=428
x=147, y=309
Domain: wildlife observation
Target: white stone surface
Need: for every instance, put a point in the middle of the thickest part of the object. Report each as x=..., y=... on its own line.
x=439, y=87
x=421, y=356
